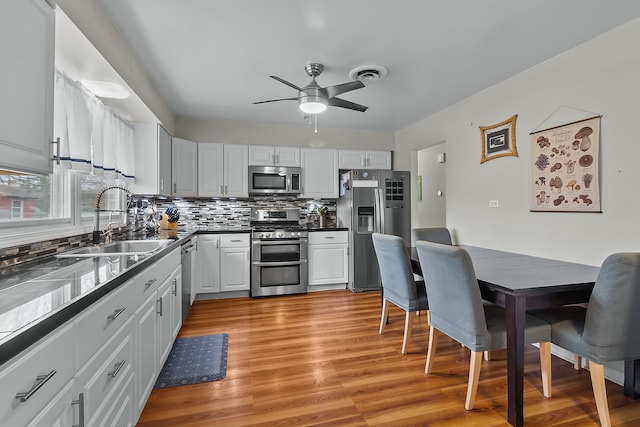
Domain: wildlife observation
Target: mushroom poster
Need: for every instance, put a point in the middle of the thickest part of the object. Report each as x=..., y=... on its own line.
x=564, y=168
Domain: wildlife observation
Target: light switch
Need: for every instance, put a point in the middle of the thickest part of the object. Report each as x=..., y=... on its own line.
x=493, y=203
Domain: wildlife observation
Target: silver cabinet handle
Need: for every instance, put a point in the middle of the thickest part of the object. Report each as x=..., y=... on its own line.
x=236, y=240
x=40, y=381
x=116, y=313
x=56, y=156
x=175, y=187
x=161, y=184
x=117, y=368
x=149, y=283
x=160, y=308
x=80, y=403
x=226, y=189
x=329, y=237
x=175, y=287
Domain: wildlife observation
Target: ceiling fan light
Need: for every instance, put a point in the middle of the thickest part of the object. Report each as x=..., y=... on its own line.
x=313, y=104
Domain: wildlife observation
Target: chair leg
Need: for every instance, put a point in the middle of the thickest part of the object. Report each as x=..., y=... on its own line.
x=384, y=316
x=487, y=355
x=600, y=393
x=577, y=362
x=433, y=342
x=545, y=367
x=407, y=330
x=474, y=377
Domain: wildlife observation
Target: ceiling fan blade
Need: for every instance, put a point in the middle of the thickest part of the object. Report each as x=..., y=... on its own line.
x=286, y=82
x=274, y=100
x=344, y=87
x=337, y=102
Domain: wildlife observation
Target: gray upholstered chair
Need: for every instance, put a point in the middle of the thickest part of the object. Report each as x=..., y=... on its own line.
x=398, y=286
x=457, y=310
x=607, y=330
x=432, y=234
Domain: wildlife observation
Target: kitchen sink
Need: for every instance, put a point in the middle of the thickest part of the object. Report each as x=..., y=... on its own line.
x=123, y=247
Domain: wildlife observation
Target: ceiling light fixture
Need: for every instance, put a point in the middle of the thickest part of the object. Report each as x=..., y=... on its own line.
x=103, y=89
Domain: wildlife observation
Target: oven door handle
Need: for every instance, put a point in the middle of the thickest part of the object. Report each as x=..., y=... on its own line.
x=279, y=242
x=278, y=264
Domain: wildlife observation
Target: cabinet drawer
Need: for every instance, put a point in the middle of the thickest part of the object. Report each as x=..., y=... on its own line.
x=98, y=323
x=102, y=377
x=149, y=280
x=121, y=410
x=234, y=240
x=325, y=237
x=39, y=373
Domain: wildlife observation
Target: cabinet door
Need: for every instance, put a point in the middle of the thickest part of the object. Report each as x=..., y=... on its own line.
x=208, y=263
x=234, y=269
x=165, y=322
x=236, y=170
x=328, y=264
x=27, y=35
x=352, y=159
x=379, y=160
x=60, y=410
x=261, y=155
x=164, y=161
x=176, y=302
x=184, y=167
x=146, y=333
x=210, y=170
x=319, y=173
x=287, y=156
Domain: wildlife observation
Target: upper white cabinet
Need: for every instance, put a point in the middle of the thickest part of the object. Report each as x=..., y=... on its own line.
x=223, y=170
x=319, y=173
x=184, y=167
x=153, y=160
x=264, y=155
x=359, y=159
x=27, y=34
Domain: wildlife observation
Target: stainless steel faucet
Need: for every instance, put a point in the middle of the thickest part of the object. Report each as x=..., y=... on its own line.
x=96, y=223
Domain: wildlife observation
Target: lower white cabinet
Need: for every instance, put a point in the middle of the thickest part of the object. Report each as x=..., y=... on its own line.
x=328, y=253
x=99, y=368
x=223, y=262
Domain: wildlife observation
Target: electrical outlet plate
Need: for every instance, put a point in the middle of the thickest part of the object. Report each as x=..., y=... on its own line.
x=493, y=203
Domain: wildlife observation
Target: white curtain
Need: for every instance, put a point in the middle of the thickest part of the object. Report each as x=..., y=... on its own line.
x=92, y=136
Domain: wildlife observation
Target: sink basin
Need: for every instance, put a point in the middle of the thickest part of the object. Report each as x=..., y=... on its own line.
x=124, y=247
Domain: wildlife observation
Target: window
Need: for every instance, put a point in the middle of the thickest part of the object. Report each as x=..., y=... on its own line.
x=29, y=196
x=16, y=208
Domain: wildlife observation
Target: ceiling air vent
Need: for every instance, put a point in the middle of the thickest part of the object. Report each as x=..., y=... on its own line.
x=368, y=73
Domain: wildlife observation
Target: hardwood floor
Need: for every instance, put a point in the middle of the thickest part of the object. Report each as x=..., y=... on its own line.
x=317, y=359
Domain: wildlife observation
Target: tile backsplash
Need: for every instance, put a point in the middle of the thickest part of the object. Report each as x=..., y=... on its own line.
x=193, y=213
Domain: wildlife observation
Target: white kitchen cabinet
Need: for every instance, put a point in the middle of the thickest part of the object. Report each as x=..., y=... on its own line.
x=319, y=173
x=184, y=167
x=208, y=264
x=265, y=155
x=328, y=253
x=361, y=159
x=39, y=374
x=27, y=34
x=235, y=262
x=223, y=262
x=62, y=410
x=223, y=170
x=153, y=159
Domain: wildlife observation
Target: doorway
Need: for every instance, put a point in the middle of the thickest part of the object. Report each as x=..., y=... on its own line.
x=431, y=203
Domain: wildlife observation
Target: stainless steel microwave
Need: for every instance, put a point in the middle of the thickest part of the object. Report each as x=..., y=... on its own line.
x=274, y=180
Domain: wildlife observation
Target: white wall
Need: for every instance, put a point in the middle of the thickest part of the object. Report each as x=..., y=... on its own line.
x=259, y=133
x=600, y=76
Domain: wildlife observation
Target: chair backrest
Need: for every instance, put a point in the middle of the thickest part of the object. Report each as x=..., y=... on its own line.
x=395, y=270
x=612, y=328
x=455, y=303
x=432, y=234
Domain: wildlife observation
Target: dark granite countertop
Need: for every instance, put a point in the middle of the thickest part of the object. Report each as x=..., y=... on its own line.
x=316, y=228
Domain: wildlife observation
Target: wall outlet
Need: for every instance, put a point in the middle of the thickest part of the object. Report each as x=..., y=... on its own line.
x=493, y=203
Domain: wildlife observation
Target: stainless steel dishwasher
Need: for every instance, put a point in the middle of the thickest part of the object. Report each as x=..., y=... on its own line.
x=188, y=279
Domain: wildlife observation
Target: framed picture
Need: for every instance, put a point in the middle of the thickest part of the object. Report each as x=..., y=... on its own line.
x=564, y=168
x=499, y=140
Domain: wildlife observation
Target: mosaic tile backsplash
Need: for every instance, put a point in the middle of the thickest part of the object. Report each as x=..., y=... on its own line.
x=193, y=213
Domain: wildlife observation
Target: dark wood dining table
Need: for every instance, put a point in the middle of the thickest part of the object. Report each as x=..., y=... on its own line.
x=522, y=282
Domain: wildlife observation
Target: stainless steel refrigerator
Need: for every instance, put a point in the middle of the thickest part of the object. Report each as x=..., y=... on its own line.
x=372, y=201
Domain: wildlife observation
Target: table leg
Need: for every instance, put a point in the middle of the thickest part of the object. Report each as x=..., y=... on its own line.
x=632, y=379
x=515, y=316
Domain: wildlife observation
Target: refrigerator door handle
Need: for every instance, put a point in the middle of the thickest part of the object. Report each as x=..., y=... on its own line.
x=380, y=211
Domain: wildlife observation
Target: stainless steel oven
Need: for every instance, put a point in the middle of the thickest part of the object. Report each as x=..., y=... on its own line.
x=278, y=253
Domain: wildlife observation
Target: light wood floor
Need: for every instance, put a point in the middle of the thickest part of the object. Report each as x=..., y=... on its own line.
x=317, y=359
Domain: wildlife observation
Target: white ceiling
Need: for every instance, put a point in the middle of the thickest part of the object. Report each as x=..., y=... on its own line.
x=213, y=58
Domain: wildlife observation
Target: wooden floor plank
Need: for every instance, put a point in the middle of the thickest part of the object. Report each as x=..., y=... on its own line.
x=318, y=360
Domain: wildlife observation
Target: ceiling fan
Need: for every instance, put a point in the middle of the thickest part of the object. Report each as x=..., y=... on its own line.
x=313, y=99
